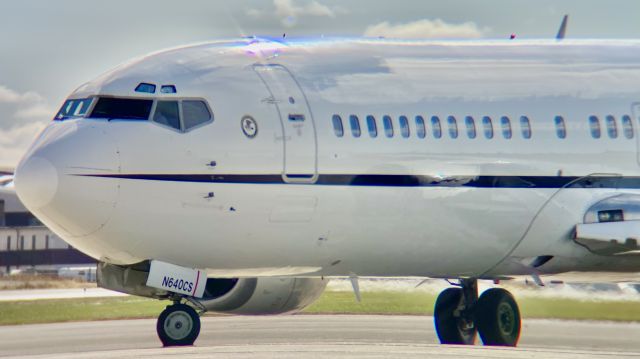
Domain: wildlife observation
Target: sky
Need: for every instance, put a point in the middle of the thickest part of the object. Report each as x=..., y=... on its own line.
x=49, y=48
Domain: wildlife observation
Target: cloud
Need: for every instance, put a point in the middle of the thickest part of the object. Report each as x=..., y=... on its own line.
x=290, y=11
x=22, y=116
x=8, y=95
x=19, y=108
x=255, y=13
x=15, y=141
x=426, y=28
x=286, y=8
x=37, y=111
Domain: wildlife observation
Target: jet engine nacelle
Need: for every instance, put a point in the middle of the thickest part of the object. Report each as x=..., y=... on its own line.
x=261, y=296
x=244, y=296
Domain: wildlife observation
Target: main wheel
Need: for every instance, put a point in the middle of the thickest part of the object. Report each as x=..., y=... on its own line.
x=178, y=325
x=451, y=326
x=498, y=318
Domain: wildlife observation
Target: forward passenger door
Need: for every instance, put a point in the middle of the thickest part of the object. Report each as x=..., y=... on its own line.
x=298, y=128
x=635, y=109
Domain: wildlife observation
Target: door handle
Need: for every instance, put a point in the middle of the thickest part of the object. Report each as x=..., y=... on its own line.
x=296, y=117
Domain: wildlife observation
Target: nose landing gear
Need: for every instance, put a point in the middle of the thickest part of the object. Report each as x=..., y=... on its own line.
x=178, y=325
x=459, y=315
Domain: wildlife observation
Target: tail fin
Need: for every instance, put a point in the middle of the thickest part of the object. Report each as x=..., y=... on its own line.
x=563, y=28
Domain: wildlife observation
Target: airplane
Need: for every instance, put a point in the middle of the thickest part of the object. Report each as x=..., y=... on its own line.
x=239, y=176
x=6, y=181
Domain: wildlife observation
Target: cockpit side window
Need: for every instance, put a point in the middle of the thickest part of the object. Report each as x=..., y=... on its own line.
x=74, y=108
x=122, y=108
x=167, y=113
x=194, y=113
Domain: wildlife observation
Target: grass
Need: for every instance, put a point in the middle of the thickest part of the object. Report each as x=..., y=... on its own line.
x=622, y=311
x=42, y=281
x=421, y=303
x=374, y=303
x=416, y=303
x=83, y=309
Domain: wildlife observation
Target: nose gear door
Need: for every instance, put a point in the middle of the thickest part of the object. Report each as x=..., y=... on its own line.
x=300, y=162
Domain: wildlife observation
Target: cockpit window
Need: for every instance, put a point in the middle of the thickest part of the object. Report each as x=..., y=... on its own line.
x=195, y=113
x=180, y=114
x=74, y=109
x=145, y=87
x=122, y=108
x=168, y=114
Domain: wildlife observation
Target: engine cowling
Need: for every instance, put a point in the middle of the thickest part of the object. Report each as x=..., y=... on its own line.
x=244, y=296
x=261, y=296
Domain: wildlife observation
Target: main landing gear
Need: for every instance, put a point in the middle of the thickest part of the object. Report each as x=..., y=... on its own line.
x=459, y=315
x=178, y=325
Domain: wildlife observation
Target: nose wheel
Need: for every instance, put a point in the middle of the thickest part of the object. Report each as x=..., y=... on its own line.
x=178, y=325
x=459, y=315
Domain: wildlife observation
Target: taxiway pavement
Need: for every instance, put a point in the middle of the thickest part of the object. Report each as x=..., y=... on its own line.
x=312, y=336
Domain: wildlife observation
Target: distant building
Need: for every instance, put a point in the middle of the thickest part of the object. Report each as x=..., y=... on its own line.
x=26, y=244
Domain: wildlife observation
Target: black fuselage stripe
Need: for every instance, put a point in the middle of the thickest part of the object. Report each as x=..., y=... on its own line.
x=398, y=180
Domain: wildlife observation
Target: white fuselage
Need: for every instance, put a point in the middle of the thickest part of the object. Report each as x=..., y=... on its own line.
x=293, y=198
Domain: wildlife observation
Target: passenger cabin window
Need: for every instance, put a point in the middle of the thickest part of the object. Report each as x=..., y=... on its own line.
x=436, y=127
x=372, y=126
x=525, y=127
x=195, y=113
x=421, y=129
x=612, y=129
x=122, y=109
x=594, y=127
x=487, y=125
x=627, y=127
x=337, y=126
x=561, y=128
x=355, y=125
x=404, y=126
x=388, y=126
x=453, y=127
x=506, y=127
x=471, y=127
x=168, y=114
x=74, y=109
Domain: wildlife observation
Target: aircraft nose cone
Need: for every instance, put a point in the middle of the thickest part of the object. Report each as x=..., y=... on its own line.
x=58, y=179
x=36, y=182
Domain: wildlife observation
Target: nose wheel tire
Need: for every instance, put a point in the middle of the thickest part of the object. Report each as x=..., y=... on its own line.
x=498, y=318
x=452, y=325
x=178, y=325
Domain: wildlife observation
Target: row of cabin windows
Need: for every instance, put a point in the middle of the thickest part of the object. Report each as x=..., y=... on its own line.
x=436, y=126
x=611, y=126
x=487, y=127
